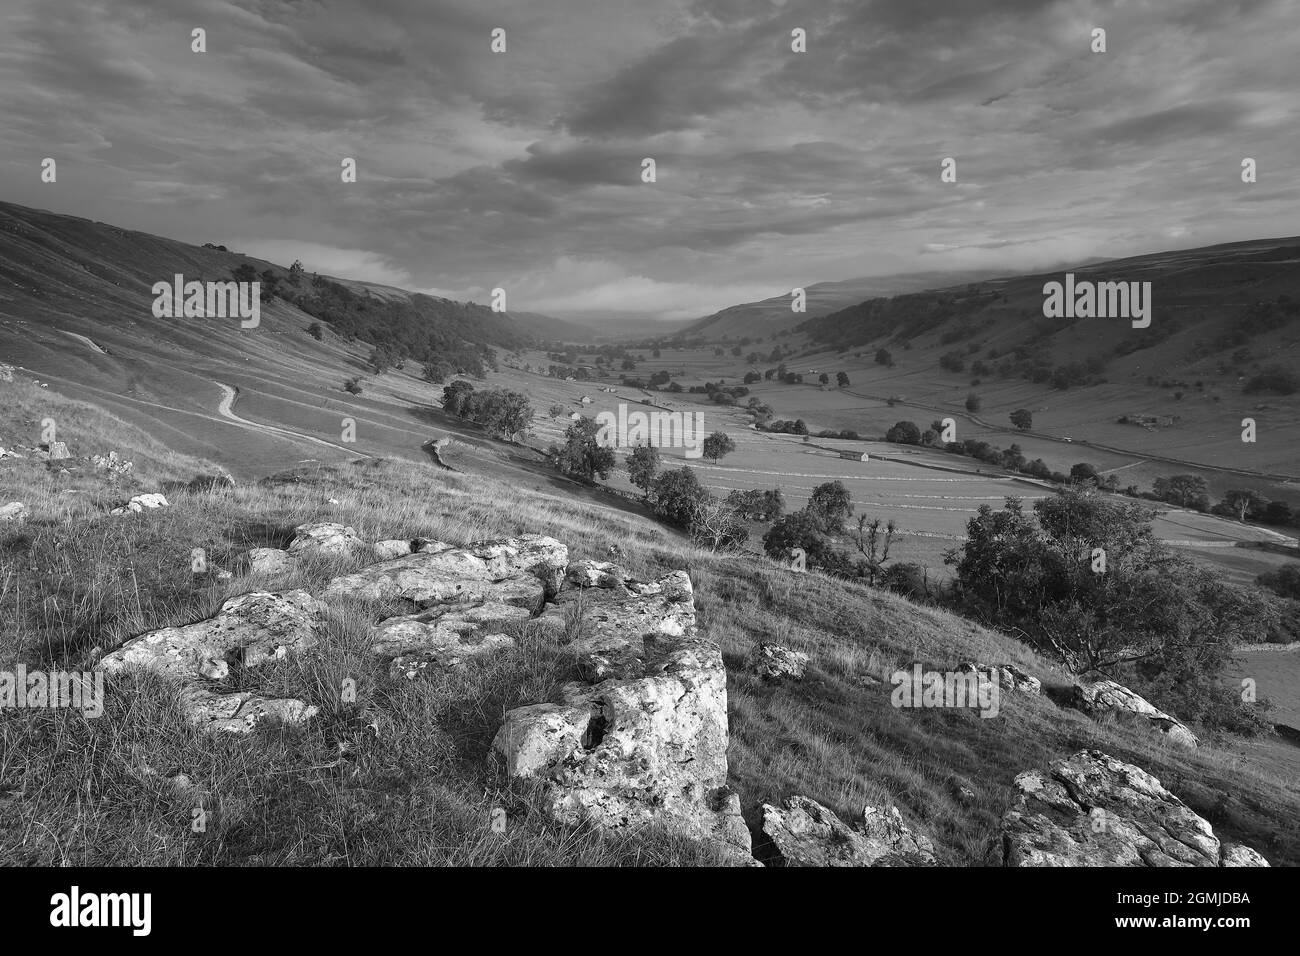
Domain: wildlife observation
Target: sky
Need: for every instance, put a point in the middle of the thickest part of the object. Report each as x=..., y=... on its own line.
x=774, y=168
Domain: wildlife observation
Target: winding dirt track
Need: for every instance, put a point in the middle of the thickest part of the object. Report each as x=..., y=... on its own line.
x=225, y=408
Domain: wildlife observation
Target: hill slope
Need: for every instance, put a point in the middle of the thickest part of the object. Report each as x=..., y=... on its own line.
x=769, y=316
x=399, y=775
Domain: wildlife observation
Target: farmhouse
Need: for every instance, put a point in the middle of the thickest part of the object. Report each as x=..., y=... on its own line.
x=854, y=455
x=586, y=399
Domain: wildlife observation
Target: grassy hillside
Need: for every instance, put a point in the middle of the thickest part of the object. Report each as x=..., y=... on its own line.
x=759, y=320
x=401, y=776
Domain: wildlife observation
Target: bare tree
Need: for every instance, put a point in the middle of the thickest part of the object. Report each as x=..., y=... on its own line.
x=873, y=545
x=717, y=525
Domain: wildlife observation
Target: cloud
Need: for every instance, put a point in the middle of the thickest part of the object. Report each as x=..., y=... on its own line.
x=775, y=168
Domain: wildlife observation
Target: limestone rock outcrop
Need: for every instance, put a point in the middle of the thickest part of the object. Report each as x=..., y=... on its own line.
x=644, y=740
x=1107, y=695
x=14, y=511
x=805, y=833
x=445, y=636
x=1094, y=810
x=776, y=662
x=520, y=571
x=312, y=538
x=1008, y=676
x=240, y=713
x=324, y=537
x=268, y=561
x=111, y=463
x=247, y=631
x=145, y=502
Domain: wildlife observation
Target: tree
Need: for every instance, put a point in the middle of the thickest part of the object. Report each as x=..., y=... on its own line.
x=824, y=379
x=381, y=359
x=436, y=372
x=656, y=353
x=797, y=530
x=1151, y=619
x=315, y=331
x=1243, y=500
x=1285, y=581
x=830, y=506
x=717, y=445
x=1083, y=472
x=800, y=530
x=244, y=273
x=642, y=467
x=676, y=495
x=270, y=285
x=1189, y=491
x=353, y=385
x=716, y=525
x=581, y=456
x=758, y=505
x=1278, y=512
x=904, y=433
x=842, y=379
x=502, y=413
x=972, y=402
x=556, y=410
x=455, y=398
x=628, y=365
x=883, y=357
x=873, y=546
x=1023, y=419
x=295, y=273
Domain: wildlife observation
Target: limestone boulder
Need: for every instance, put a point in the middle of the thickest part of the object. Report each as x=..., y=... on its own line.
x=139, y=503
x=241, y=713
x=616, y=627
x=646, y=744
x=324, y=538
x=445, y=636
x=807, y=834
x=268, y=561
x=247, y=631
x=15, y=512
x=776, y=662
x=518, y=571
x=112, y=464
x=1008, y=676
x=1094, y=810
x=1107, y=695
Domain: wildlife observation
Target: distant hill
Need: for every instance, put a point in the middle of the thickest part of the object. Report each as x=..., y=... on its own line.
x=54, y=264
x=552, y=329
x=753, y=319
x=1220, y=310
